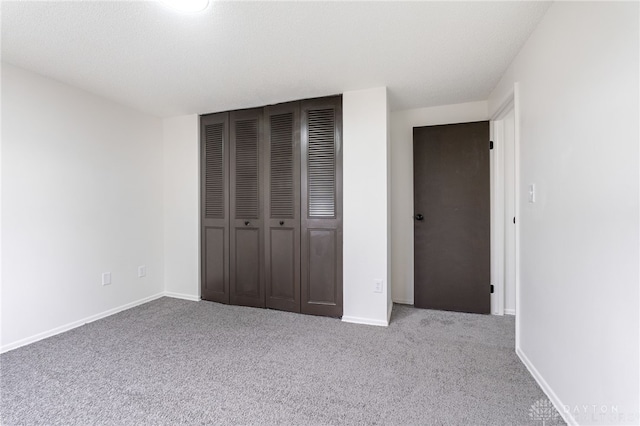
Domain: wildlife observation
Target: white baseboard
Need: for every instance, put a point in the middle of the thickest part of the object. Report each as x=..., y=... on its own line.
x=509, y=311
x=75, y=324
x=566, y=416
x=183, y=296
x=403, y=302
x=366, y=321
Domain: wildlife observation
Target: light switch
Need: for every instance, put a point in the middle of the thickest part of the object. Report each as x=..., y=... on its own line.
x=106, y=278
x=142, y=271
x=532, y=193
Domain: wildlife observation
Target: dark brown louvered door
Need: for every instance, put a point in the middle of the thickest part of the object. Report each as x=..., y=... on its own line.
x=247, y=236
x=282, y=206
x=214, y=188
x=321, y=222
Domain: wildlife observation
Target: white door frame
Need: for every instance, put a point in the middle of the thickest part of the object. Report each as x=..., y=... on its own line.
x=498, y=206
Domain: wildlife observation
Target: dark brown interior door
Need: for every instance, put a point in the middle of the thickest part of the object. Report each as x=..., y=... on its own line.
x=321, y=251
x=214, y=157
x=246, y=236
x=451, y=222
x=282, y=206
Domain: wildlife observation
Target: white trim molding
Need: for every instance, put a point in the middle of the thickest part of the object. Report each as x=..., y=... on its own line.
x=510, y=102
x=182, y=296
x=496, y=170
x=566, y=416
x=516, y=112
x=365, y=321
x=75, y=324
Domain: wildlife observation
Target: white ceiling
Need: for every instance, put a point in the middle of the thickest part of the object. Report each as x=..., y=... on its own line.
x=244, y=54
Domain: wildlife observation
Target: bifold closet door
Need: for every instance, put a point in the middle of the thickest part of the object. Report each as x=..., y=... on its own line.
x=282, y=206
x=246, y=224
x=321, y=222
x=214, y=196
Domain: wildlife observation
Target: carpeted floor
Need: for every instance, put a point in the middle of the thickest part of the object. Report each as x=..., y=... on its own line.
x=174, y=362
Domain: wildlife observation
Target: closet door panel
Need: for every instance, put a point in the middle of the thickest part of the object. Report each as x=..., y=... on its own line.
x=214, y=214
x=214, y=262
x=321, y=206
x=322, y=261
x=247, y=258
x=283, y=283
x=282, y=206
x=247, y=240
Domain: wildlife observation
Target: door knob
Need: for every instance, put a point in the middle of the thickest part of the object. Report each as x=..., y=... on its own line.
x=246, y=222
x=419, y=217
x=281, y=222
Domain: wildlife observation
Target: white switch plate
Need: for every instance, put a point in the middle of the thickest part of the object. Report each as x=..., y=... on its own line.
x=378, y=286
x=142, y=271
x=106, y=278
x=532, y=193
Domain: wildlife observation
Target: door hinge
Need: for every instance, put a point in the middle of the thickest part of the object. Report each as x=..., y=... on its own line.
x=491, y=288
x=490, y=144
x=514, y=220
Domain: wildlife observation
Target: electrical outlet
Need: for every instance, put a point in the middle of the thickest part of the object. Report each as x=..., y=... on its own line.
x=377, y=286
x=142, y=271
x=106, y=278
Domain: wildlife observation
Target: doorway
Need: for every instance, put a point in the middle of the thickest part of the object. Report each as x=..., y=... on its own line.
x=508, y=139
x=504, y=221
x=452, y=217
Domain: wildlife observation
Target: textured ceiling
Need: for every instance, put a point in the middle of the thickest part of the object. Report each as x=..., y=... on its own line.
x=244, y=54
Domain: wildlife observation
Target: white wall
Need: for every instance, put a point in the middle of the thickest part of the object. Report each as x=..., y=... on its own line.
x=579, y=143
x=181, y=204
x=402, y=124
x=81, y=195
x=365, y=220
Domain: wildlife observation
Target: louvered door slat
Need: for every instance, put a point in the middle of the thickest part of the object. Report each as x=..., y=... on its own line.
x=282, y=196
x=246, y=169
x=214, y=171
x=321, y=166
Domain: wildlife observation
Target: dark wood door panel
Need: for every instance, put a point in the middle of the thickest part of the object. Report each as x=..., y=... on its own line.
x=214, y=201
x=452, y=237
x=247, y=223
x=322, y=280
x=247, y=286
x=282, y=278
x=321, y=206
x=214, y=282
x=282, y=206
x=323, y=286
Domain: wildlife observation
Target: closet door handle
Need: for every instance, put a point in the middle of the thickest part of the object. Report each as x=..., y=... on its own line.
x=281, y=222
x=246, y=222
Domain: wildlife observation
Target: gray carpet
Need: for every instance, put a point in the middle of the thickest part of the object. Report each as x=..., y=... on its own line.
x=174, y=362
